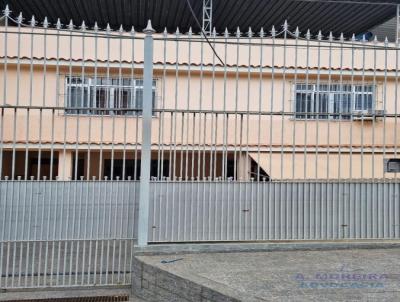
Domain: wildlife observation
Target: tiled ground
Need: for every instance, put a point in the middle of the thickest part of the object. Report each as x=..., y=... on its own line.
x=342, y=275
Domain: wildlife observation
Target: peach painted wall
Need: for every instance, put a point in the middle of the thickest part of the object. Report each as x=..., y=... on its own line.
x=236, y=87
x=108, y=129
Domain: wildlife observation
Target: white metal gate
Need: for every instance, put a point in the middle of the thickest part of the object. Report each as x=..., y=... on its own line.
x=66, y=234
x=111, y=136
x=251, y=211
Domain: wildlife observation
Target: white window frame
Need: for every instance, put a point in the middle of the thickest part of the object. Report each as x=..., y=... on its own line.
x=111, y=95
x=331, y=104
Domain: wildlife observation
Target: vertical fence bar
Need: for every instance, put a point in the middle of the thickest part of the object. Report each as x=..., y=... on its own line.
x=329, y=117
x=396, y=94
x=386, y=216
x=146, y=137
x=6, y=14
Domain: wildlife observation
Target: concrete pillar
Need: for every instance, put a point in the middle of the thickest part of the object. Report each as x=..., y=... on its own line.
x=65, y=165
x=143, y=225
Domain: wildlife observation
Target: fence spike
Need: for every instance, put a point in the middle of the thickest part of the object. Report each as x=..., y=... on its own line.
x=353, y=37
x=190, y=31
x=71, y=25
x=341, y=37
x=20, y=19
x=177, y=32
x=83, y=26
x=330, y=37
x=386, y=41
x=165, y=32
x=214, y=32
x=297, y=32
x=95, y=27
x=262, y=33
x=238, y=32
x=308, y=34
x=364, y=38
x=133, y=32
x=376, y=40
x=149, y=28
x=226, y=33
x=6, y=11
x=45, y=23
x=250, y=33
x=121, y=29
x=273, y=31
x=108, y=28
x=58, y=25
x=285, y=25
x=33, y=22
x=319, y=36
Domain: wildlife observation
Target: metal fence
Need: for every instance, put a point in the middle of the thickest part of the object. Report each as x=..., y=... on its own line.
x=66, y=233
x=268, y=135
x=251, y=211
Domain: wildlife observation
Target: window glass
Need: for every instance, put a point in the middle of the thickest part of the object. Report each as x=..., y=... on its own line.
x=78, y=98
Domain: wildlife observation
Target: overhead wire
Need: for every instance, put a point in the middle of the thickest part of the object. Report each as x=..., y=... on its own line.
x=202, y=31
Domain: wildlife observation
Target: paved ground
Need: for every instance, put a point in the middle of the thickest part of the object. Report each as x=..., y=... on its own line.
x=336, y=275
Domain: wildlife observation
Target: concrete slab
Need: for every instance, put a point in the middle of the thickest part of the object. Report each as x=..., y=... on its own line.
x=333, y=275
x=261, y=246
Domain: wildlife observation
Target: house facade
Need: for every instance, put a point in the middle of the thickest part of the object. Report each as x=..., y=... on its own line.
x=278, y=107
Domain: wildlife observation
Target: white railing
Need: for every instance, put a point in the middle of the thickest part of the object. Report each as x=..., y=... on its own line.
x=66, y=233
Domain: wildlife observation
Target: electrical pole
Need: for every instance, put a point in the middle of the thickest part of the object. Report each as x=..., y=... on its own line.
x=207, y=17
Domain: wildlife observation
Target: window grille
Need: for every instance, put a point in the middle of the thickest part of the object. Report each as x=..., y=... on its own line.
x=105, y=96
x=334, y=101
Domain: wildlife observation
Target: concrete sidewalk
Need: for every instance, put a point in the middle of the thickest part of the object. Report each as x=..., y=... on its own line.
x=333, y=275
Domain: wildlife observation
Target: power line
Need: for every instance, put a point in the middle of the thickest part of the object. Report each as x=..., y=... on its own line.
x=202, y=31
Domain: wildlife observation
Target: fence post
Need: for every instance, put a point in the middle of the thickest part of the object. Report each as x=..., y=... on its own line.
x=143, y=227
